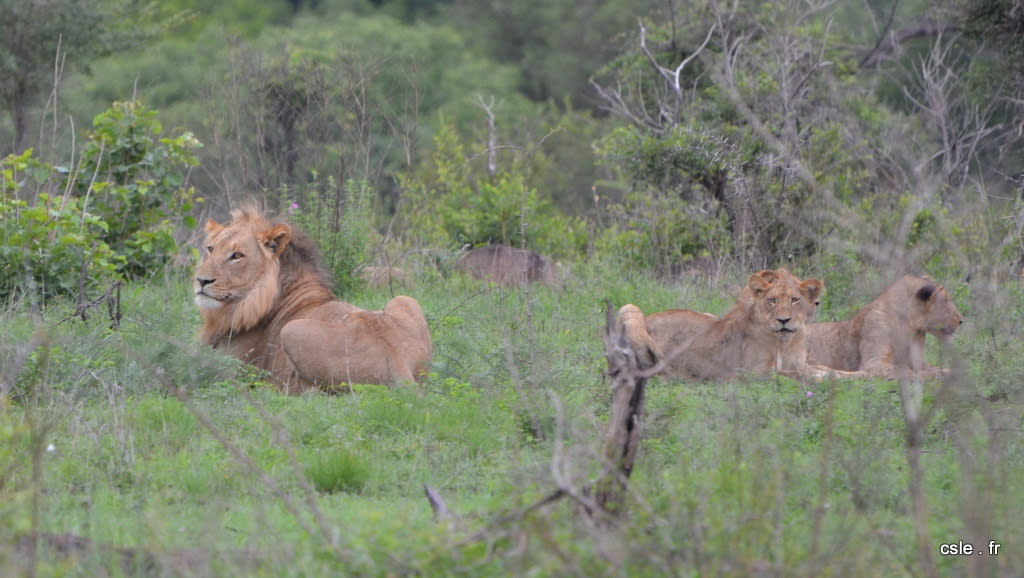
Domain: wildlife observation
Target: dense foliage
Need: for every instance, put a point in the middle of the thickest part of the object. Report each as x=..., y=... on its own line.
x=113, y=215
x=741, y=131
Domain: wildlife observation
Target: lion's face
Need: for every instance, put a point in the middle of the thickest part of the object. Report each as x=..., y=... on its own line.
x=941, y=317
x=240, y=263
x=782, y=302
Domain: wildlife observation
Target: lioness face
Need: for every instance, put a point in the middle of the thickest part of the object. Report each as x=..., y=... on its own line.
x=942, y=318
x=238, y=259
x=784, y=303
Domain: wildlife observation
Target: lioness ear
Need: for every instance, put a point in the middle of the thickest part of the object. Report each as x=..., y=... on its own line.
x=769, y=275
x=277, y=238
x=813, y=288
x=213, y=227
x=925, y=293
x=758, y=283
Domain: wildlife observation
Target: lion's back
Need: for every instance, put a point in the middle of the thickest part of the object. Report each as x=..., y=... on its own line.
x=831, y=343
x=890, y=329
x=385, y=346
x=677, y=332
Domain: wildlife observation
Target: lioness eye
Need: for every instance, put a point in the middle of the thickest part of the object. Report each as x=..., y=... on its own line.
x=796, y=300
x=236, y=256
x=209, y=248
x=772, y=300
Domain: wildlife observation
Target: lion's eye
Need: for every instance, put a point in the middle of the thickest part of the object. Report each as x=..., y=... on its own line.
x=236, y=256
x=796, y=300
x=772, y=300
x=209, y=249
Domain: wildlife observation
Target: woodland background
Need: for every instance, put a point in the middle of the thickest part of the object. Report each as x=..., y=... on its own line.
x=669, y=134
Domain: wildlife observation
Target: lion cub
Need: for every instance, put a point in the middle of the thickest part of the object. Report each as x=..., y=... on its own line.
x=887, y=336
x=764, y=331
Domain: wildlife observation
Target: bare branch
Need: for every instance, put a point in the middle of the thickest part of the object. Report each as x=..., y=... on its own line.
x=635, y=109
x=889, y=45
x=492, y=134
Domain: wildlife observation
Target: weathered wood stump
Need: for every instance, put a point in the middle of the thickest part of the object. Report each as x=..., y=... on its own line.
x=628, y=370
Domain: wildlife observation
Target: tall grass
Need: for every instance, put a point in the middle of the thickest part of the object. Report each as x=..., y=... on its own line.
x=769, y=477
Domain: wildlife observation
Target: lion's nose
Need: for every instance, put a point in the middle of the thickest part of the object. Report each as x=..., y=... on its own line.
x=783, y=320
x=203, y=281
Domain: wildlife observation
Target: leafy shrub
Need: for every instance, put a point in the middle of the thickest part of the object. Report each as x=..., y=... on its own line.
x=141, y=186
x=653, y=230
x=51, y=246
x=448, y=206
x=112, y=216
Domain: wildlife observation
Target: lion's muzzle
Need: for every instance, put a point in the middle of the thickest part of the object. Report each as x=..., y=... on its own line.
x=207, y=301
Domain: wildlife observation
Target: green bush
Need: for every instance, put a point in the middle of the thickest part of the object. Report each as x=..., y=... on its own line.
x=654, y=230
x=50, y=246
x=137, y=182
x=448, y=205
x=112, y=216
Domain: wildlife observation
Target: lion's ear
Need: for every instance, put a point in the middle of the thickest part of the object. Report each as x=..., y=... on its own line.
x=925, y=293
x=277, y=238
x=213, y=227
x=758, y=283
x=769, y=275
x=813, y=288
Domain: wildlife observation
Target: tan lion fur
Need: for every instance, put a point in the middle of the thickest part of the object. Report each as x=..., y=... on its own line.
x=264, y=299
x=630, y=322
x=763, y=332
x=888, y=335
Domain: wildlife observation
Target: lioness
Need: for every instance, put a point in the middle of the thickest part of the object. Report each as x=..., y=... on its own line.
x=887, y=335
x=761, y=333
x=264, y=299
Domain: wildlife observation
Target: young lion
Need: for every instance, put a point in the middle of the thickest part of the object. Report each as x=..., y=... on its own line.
x=761, y=333
x=887, y=336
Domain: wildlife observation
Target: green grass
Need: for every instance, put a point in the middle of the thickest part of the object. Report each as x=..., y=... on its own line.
x=772, y=477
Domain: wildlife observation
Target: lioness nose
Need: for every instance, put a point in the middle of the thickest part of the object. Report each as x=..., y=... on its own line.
x=203, y=281
x=783, y=320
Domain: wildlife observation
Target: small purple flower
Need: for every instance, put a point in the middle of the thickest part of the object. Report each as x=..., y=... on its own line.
x=293, y=208
x=810, y=394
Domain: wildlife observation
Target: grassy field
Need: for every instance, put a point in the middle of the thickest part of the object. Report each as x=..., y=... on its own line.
x=153, y=456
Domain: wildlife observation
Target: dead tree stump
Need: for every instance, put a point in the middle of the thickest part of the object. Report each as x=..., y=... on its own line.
x=622, y=439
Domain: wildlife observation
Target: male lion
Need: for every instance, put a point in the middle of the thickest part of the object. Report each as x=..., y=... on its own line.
x=887, y=336
x=763, y=332
x=265, y=300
